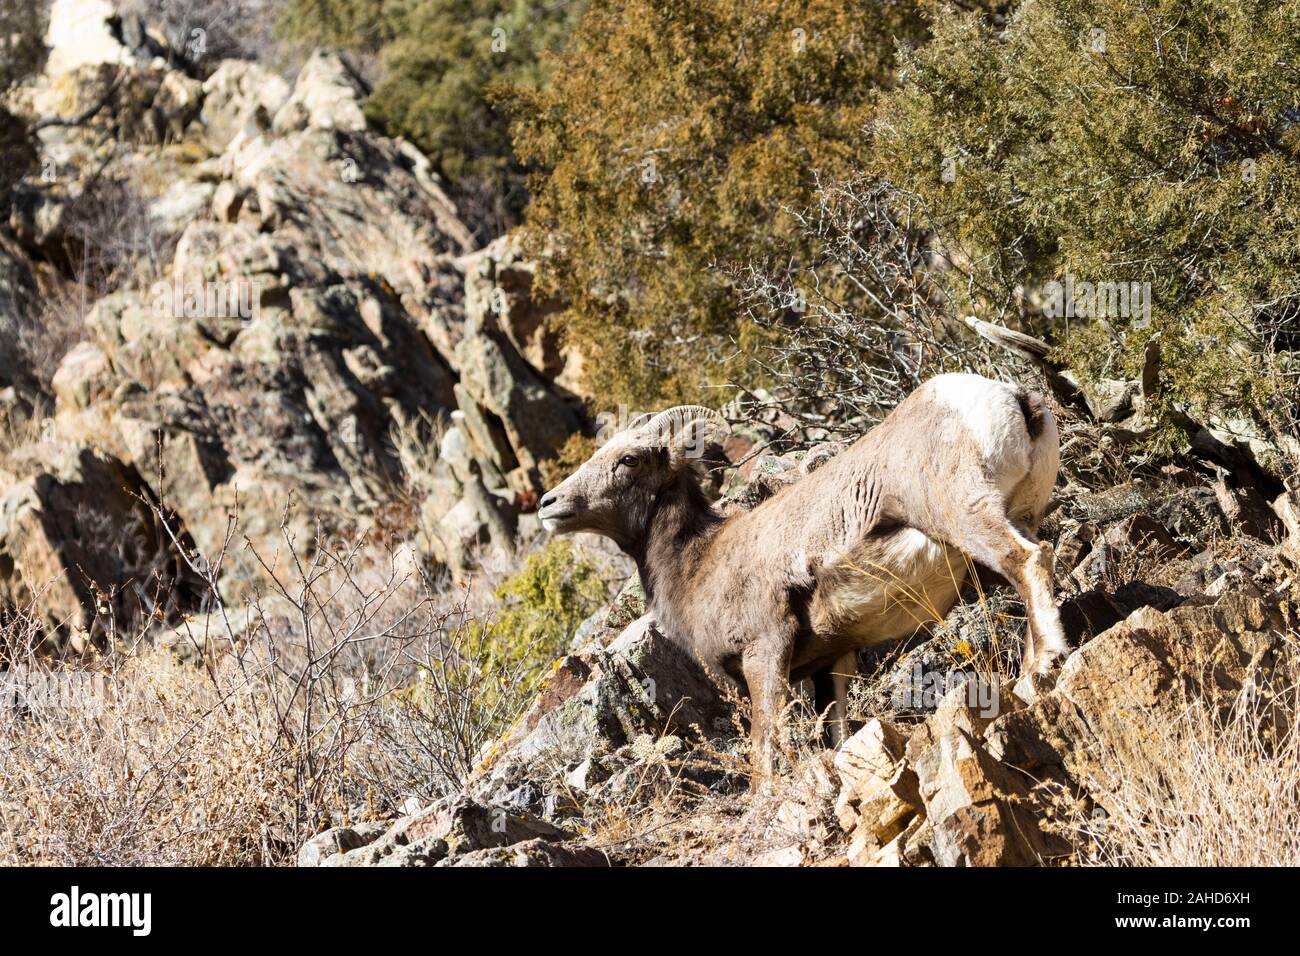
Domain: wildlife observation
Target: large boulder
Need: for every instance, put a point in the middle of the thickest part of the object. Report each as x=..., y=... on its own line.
x=239, y=95
x=499, y=294
x=80, y=33
x=1137, y=675
x=641, y=685
x=81, y=543
x=327, y=96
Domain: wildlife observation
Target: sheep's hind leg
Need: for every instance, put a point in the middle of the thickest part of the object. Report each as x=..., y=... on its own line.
x=832, y=696
x=992, y=539
x=1049, y=643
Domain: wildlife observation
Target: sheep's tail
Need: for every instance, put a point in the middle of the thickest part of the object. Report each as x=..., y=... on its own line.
x=1037, y=353
x=1034, y=410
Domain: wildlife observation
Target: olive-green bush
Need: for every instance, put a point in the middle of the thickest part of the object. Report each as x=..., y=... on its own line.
x=673, y=139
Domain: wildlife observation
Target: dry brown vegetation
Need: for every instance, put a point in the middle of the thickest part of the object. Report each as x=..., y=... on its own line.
x=1215, y=789
x=359, y=686
x=354, y=685
x=688, y=805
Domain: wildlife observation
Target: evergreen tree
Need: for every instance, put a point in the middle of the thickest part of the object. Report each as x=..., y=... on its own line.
x=671, y=139
x=1150, y=141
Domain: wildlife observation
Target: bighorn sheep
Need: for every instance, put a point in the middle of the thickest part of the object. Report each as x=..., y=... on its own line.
x=865, y=549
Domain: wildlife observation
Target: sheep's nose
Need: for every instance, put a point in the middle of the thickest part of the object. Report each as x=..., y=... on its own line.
x=548, y=499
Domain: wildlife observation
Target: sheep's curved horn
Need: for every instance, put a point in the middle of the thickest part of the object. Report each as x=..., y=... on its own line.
x=671, y=422
x=641, y=420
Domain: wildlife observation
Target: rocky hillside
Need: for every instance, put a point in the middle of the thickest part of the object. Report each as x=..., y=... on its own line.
x=966, y=785
x=303, y=337
x=1185, y=627
x=238, y=326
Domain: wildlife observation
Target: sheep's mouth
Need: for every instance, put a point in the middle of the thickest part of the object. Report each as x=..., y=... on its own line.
x=552, y=522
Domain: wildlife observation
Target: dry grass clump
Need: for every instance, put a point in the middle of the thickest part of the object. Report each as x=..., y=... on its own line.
x=981, y=636
x=157, y=764
x=1214, y=788
x=690, y=804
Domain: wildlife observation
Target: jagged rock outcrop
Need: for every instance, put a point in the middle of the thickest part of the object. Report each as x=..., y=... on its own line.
x=596, y=703
x=499, y=293
x=971, y=788
x=19, y=390
x=1138, y=675
x=83, y=546
x=598, y=720
x=452, y=832
x=972, y=782
x=318, y=334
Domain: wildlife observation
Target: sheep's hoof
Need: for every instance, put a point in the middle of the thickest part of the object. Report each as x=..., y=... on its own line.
x=1049, y=661
x=1031, y=684
x=1039, y=677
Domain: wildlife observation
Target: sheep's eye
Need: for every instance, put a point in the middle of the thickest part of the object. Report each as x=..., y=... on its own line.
x=629, y=461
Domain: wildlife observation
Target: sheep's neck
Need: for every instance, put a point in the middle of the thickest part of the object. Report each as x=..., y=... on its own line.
x=677, y=534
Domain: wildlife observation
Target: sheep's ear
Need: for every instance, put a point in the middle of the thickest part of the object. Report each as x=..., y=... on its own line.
x=690, y=441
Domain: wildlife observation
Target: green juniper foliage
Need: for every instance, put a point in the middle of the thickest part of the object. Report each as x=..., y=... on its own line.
x=542, y=607
x=1150, y=141
x=492, y=668
x=362, y=25
x=670, y=139
x=1088, y=141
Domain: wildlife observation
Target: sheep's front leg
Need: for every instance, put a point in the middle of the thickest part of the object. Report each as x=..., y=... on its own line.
x=766, y=666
